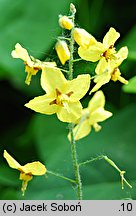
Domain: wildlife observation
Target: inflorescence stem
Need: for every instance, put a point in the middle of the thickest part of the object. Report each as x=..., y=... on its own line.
x=71, y=125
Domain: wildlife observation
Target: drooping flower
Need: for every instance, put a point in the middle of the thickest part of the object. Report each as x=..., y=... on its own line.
x=106, y=71
x=65, y=22
x=62, y=96
x=91, y=116
x=98, y=50
x=62, y=50
x=27, y=171
x=32, y=65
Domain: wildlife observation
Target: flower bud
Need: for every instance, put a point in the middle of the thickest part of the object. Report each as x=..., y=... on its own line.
x=62, y=50
x=65, y=22
x=83, y=38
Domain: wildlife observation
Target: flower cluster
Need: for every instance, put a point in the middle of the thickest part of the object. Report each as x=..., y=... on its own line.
x=109, y=59
x=63, y=93
x=63, y=96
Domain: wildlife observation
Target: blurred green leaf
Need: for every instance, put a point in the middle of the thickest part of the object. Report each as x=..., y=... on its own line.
x=129, y=41
x=131, y=86
x=34, y=26
x=8, y=176
x=9, y=194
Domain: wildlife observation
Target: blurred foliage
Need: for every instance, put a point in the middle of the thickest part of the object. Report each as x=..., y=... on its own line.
x=131, y=87
x=29, y=136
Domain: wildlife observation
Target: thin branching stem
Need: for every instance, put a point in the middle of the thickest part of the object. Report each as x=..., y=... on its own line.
x=61, y=176
x=112, y=164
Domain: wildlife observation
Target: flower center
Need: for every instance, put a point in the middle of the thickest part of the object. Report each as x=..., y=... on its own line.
x=61, y=98
x=115, y=74
x=109, y=53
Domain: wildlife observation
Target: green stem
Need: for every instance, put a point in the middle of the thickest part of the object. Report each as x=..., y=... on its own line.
x=75, y=163
x=112, y=164
x=121, y=172
x=71, y=125
x=76, y=60
x=61, y=176
x=90, y=161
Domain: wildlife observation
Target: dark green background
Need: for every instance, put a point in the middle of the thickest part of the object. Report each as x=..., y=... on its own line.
x=28, y=136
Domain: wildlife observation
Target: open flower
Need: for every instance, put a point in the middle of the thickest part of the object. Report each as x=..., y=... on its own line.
x=91, y=116
x=99, y=50
x=32, y=65
x=62, y=95
x=110, y=71
x=27, y=171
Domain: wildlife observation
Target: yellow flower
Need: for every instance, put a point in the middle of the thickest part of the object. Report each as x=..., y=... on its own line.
x=32, y=65
x=91, y=116
x=62, y=50
x=27, y=171
x=83, y=38
x=106, y=71
x=98, y=50
x=65, y=22
x=62, y=95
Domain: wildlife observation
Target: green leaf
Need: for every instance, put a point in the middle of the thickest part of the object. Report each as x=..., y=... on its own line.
x=131, y=86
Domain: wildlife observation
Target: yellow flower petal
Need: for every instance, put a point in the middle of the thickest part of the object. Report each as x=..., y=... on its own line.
x=34, y=168
x=103, y=76
x=43, y=104
x=122, y=80
x=93, y=53
x=83, y=38
x=11, y=161
x=99, y=115
x=100, y=80
x=52, y=78
x=97, y=101
x=70, y=114
x=21, y=53
x=62, y=50
x=49, y=64
x=110, y=38
x=121, y=55
x=96, y=127
x=79, y=86
x=102, y=66
x=91, y=115
x=81, y=130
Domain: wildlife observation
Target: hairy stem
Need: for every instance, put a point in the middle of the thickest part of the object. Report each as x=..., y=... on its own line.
x=71, y=125
x=61, y=176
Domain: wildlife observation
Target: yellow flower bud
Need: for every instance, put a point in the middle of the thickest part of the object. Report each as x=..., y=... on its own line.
x=62, y=50
x=83, y=38
x=66, y=23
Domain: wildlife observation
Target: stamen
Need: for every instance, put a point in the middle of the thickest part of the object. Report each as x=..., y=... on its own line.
x=70, y=93
x=58, y=93
x=53, y=102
